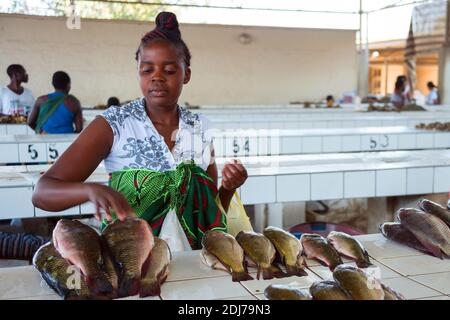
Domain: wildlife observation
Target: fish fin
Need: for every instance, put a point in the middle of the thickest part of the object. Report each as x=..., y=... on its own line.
x=266, y=272
x=277, y=272
x=99, y=285
x=295, y=271
x=152, y=288
x=129, y=286
x=364, y=264
x=434, y=250
x=240, y=276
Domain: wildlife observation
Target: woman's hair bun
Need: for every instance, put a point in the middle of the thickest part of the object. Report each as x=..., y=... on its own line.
x=167, y=23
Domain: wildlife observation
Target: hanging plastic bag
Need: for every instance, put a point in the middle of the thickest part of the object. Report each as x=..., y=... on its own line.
x=237, y=219
x=172, y=232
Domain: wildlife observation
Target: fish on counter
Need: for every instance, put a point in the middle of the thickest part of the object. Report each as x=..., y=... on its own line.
x=317, y=247
x=289, y=250
x=396, y=232
x=431, y=231
x=286, y=292
x=222, y=251
x=348, y=246
x=357, y=284
x=54, y=269
x=130, y=242
x=260, y=251
x=157, y=269
x=81, y=246
x=435, y=209
x=391, y=294
x=328, y=290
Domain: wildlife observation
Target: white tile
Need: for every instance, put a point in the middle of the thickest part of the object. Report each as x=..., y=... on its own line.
x=436, y=281
x=359, y=184
x=406, y=141
x=136, y=297
x=419, y=180
x=263, y=146
x=3, y=130
x=258, y=286
x=258, y=190
x=219, y=146
x=322, y=272
x=331, y=144
x=424, y=141
x=351, y=143
x=334, y=124
x=417, y=265
x=391, y=182
x=261, y=297
x=69, y=212
x=249, y=297
x=441, y=179
x=188, y=265
x=293, y=187
x=436, y=298
x=370, y=142
x=388, y=142
x=312, y=144
x=44, y=297
x=348, y=124
x=275, y=146
x=319, y=124
x=291, y=145
x=202, y=289
x=32, y=152
x=9, y=153
x=87, y=208
x=327, y=186
x=409, y=288
x=16, y=129
x=383, y=248
x=20, y=282
x=13, y=204
x=442, y=140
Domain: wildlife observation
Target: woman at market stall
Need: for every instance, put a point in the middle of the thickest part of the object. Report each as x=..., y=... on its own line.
x=159, y=155
x=59, y=111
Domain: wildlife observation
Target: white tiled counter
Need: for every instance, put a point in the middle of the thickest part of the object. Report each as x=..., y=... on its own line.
x=417, y=277
x=287, y=178
x=244, y=143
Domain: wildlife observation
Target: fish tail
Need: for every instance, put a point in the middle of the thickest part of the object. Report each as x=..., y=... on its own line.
x=150, y=288
x=266, y=272
x=277, y=272
x=295, y=271
x=240, y=276
x=99, y=285
x=129, y=286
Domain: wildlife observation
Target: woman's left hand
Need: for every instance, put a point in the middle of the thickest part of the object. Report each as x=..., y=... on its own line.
x=233, y=175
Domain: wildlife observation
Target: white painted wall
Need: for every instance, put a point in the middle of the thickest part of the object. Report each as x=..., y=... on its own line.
x=279, y=66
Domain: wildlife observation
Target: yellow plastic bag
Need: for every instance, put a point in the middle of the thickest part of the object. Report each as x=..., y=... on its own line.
x=237, y=219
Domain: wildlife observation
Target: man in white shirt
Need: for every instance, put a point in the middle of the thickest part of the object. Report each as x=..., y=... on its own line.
x=14, y=98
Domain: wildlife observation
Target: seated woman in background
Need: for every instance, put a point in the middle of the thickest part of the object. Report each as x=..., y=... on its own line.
x=57, y=112
x=113, y=101
x=432, y=97
x=398, y=99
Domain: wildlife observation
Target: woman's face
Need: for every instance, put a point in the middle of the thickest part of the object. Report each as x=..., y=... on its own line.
x=162, y=73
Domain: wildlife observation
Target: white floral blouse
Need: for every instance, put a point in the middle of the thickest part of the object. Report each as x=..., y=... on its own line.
x=138, y=145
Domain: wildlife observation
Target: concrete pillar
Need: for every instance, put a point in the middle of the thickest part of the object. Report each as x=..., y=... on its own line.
x=363, y=73
x=444, y=75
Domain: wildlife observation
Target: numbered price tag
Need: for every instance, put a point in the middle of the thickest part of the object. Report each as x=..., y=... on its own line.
x=54, y=150
x=32, y=152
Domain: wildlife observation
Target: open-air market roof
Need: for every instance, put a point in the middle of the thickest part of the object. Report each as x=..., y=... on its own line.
x=386, y=19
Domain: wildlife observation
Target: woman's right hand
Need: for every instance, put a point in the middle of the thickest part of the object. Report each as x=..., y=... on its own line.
x=105, y=198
